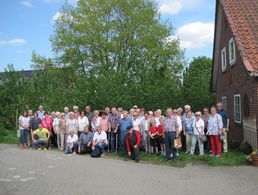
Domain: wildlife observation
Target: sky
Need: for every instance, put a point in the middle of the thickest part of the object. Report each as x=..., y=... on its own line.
x=26, y=26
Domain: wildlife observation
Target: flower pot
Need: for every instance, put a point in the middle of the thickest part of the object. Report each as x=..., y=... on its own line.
x=255, y=160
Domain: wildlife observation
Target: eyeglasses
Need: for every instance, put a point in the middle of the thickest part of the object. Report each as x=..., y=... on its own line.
x=197, y=115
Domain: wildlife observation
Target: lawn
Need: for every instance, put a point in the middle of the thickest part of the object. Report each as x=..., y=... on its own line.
x=8, y=136
x=232, y=158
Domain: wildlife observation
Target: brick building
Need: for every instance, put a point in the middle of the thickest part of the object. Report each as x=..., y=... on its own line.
x=235, y=66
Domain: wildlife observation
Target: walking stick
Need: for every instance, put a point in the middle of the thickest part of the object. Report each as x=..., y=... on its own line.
x=109, y=141
x=116, y=141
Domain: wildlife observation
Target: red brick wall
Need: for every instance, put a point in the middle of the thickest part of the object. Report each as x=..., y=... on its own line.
x=235, y=80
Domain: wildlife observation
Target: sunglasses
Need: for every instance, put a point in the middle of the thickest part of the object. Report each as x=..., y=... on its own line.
x=197, y=115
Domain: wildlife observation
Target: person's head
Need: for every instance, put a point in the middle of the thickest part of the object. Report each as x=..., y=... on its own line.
x=87, y=109
x=113, y=110
x=72, y=133
x=66, y=109
x=169, y=112
x=107, y=110
x=35, y=114
x=158, y=112
x=187, y=108
x=40, y=108
x=189, y=114
x=86, y=129
x=62, y=115
x=142, y=111
x=155, y=113
x=75, y=109
x=206, y=111
x=161, y=120
x=71, y=115
x=47, y=114
x=82, y=113
x=120, y=110
x=146, y=115
x=24, y=113
x=219, y=106
x=125, y=114
x=30, y=112
x=152, y=122
x=175, y=112
x=135, y=107
x=150, y=114
x=53, y=114
x=99, y=129
x=135, y=115
x=40, y=126
x=103, y=115
x=179, y=111
x=131, y=111
x=213, y=110
x=129, y=129
x=198, y=115
x=58, y=114
x=96, y=113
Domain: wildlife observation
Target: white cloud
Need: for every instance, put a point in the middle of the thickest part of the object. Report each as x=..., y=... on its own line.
x=13, y=42
x=195, y=35
x=170, y=6
x=26, y=3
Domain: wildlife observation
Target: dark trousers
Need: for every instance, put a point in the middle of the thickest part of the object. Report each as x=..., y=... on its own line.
x=85, y=149
x=122, y=142
x=113, y=140
x=135, y=153
x=169, y=144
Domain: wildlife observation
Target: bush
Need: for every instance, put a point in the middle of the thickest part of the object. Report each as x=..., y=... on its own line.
x=245, y=148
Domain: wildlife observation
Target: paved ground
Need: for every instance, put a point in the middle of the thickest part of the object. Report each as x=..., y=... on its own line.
x=52, y=172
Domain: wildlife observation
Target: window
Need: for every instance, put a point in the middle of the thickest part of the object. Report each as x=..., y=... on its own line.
x=232, y=51
x=224, y=102
x=237, y=108
x=223, y=59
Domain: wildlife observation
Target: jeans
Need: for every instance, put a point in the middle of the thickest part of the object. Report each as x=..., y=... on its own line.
x=169, y=144
x=40, y=143
x=74, y=149
x=188, y=142
x=101, y=146
x=196, y=138
x=122, y=142
x=114, y=140
x=146, y=140
x=23, y=136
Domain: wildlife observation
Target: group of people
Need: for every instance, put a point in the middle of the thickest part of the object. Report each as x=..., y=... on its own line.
x=117, y=130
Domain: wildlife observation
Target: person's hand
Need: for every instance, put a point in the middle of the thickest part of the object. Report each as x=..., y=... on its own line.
x=227, y=130
x=163, y=135
x=89, y=144
x=93, y=147
x=184, y=133
x=129, y=153
x=115, y=131
x=177, y=134
x=109, y=130
x=79, y=149
x=135, y=146
x=220, y=131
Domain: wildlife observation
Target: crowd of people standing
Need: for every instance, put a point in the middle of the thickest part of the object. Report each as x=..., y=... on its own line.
x=120, y=131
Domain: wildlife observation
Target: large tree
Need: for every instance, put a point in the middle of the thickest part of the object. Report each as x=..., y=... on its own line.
x=196, y=84
x=121, y=48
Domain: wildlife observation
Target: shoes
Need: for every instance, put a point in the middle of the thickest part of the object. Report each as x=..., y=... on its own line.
x=211, y=155
x=187, y=152
x=218, y=155
x=167, y=159
x=45, y=149
x=137, y=160
x=39, y=148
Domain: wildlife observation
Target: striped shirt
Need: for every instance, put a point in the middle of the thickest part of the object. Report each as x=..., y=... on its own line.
x=171, y=123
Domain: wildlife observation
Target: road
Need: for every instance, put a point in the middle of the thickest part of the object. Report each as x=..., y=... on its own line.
x=52, y=172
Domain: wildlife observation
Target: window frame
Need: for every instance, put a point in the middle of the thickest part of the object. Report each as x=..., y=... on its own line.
x=235, y=113
x=223, y=66
x=225, y=105
x=233, y=60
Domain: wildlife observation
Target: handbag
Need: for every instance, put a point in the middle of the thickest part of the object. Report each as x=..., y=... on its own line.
x=177, y=143
x=203, y=137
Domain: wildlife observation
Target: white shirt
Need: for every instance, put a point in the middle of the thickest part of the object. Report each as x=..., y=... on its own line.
x=179, y=119
x=100, y=137
x=94, y=125
x=136, y=124
x=72, y=140
x=197, y=126
x=82, y=121
x=157, y=123
x=145, y=124
x=56, y=125
x=24, y=121
x=72, y=125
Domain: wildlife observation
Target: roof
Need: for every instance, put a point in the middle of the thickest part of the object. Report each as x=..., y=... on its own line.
x=242, y=16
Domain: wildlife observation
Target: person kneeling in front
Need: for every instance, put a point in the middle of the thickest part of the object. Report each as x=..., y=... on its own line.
x=42, y=135
x=99, y=143
x=133, y=140
x=71, y=143
x=85, y=141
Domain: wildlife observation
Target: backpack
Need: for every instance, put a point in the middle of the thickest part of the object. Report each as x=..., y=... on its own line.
x=96, y=153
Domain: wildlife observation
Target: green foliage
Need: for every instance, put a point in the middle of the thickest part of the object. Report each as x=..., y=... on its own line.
x=196, y=84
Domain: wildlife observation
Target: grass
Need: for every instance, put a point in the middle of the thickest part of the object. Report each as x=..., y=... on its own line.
x=8, y=136
x=232, y=158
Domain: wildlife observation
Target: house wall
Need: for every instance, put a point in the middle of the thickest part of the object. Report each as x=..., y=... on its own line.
x=235, y=80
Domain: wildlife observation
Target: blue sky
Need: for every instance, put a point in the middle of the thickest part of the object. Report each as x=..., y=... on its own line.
x=26, y=25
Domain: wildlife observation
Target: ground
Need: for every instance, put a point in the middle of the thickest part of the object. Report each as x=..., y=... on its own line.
x=52, y=172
